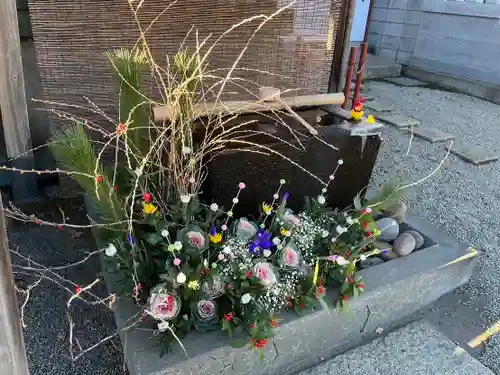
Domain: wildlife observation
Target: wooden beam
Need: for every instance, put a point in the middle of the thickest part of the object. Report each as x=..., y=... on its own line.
x=246, y=107
x=13, y=102
x=12, y=354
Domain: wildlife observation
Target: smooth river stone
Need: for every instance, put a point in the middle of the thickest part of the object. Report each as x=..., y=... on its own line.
x=397, y=211
x=389, y=229
x=419, y=240
x=388, y=254
x=371, y=262
x=404, y=244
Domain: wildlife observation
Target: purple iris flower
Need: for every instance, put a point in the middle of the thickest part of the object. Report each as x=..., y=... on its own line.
x=261, y=241
x=213, y=231
x=286, y=196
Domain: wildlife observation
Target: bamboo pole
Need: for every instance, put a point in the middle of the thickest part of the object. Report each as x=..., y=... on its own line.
x=350, y=73
x=361, y=69
x=12, y=354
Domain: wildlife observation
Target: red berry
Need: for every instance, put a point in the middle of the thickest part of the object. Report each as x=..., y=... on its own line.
x=301, y=305
x=115, y=188
x=146, y=197
x=345, y=298
x=78, y=289
x=251, y=326
x=59, y=227
x=98, y=179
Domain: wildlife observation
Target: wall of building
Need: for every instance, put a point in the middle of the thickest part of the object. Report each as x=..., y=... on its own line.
x=455, y=37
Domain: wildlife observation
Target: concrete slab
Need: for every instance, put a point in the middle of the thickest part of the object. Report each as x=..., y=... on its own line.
x=406, y=81
x=417, y=349
x=473, y=154
x=395, y=290
x=432, y=135
x=399, y=121
x=379, y=106
x=381, y=67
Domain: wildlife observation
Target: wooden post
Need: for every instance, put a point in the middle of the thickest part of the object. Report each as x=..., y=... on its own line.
x=361, y=69
x=13, y=103
x=350, y=73
x=12, y=354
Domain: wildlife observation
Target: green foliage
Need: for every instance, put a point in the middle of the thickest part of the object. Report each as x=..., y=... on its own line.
x=128, y=67
x=73, y=150
x=389, y=194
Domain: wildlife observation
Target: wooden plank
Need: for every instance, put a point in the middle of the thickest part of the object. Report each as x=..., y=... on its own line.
x=244, y=107
x=12, y=353
x=13, y=102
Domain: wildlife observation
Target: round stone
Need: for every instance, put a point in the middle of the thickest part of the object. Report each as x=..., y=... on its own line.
x=389, y=229
x=419, y=240
x=404, y=244
x=397, y=211
x=371, y=262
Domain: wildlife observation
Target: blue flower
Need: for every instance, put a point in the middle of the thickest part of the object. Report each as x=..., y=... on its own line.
x=286, y=196
x=130, y=239
x=262, y=241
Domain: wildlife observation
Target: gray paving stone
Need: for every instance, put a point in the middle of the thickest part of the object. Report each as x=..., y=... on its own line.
x=380, y=106
x=405, y=81
x=473, y=154
x=432, y=135
x=417, y=349
x=399, y=121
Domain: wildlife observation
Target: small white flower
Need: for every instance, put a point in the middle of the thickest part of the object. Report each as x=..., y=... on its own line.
x=267, y=253
x=214, y=207
x=230, y=213
x=164, y=233
x=226, y=250
x=220, y=257
x=324, y=190
x=205, y=263
x=111, y=250
x=235, y=200
x=339, y=229
x=181, y=278
x=321, y=199
x=362, y=257
x=340, y=162
x=324, y=233
x=341, y=261
x=178, y=245
x=185, y=198
x=288, y=233
x=163, y=326
x=186, y=150
x=282, y=181
x=246, y=298
x=276, y=241
x=349, y=220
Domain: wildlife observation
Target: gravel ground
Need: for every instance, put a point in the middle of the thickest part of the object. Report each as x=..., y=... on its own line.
x=461, y=199
x=46, y=332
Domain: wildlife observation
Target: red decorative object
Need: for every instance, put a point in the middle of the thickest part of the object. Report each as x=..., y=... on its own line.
x=146, y=197
x=345, y=298
x=248, y=275
x=228, y=317
x=98, y=179
x=59, y=227
x=115, y=188
x=274, y=324
x=78, y=289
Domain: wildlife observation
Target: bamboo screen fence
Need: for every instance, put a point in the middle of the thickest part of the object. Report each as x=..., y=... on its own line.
x=71, y=37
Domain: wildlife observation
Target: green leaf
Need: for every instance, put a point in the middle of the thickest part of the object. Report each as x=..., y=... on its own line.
x=357, y=202
x=261, y=355
x=240, y=343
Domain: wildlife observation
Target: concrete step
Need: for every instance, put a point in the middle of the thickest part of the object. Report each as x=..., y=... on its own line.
x=417, y=349
x=381, y=67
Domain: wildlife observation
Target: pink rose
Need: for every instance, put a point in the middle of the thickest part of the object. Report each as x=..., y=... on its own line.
x=164, y=306
x=196, y=239
x=290, y=257
x=265, y=273
x=291, y=218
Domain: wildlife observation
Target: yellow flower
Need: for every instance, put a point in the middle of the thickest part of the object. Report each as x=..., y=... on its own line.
x=194, y=285
x=283, y=231
x=267, y=208
x=370, y=119
x=215, y=238
x=149, y=208
x=357, y=115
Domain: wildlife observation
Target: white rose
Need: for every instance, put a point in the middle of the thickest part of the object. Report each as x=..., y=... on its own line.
x=246, y=298
x=185, y=198
x=164, y=233
x=276, y=241
x=267, y=253
x=214, y=207
x=341, y=261
x=321, y=199
x=111, y=250
x=339, y=229
x=163, y=326
x=181, y=278
x=324, y=233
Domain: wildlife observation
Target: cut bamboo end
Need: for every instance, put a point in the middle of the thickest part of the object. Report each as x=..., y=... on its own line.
x=165, y=113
